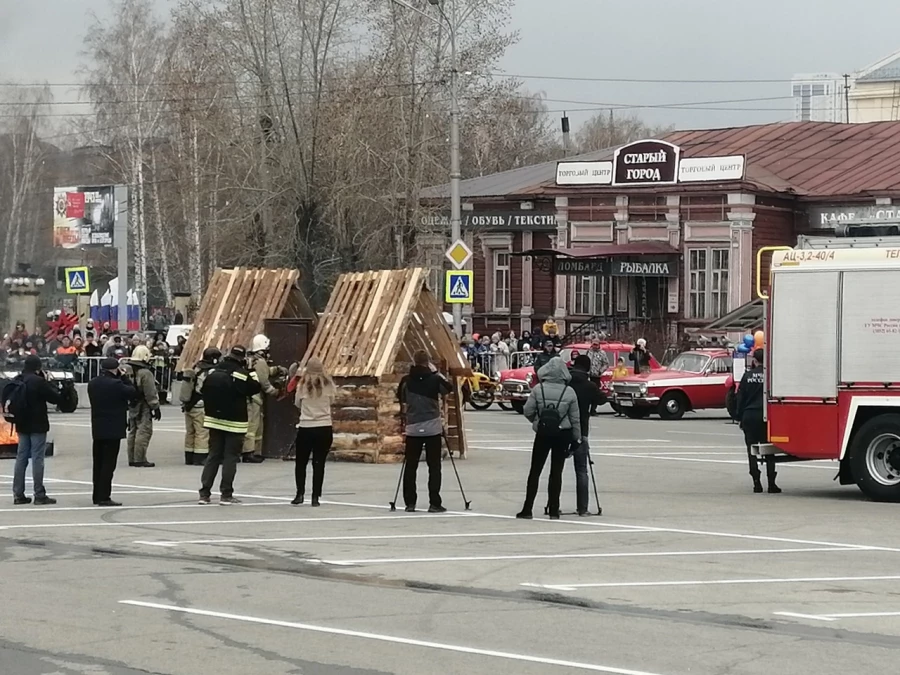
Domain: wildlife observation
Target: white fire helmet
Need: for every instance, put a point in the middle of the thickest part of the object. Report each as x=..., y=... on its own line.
x=259, y=344
x=141, y=353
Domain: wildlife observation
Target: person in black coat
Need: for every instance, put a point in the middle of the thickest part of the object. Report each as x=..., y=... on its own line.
x=110, y=393
x=588, y=394
x=750, y=404
x=32, y=425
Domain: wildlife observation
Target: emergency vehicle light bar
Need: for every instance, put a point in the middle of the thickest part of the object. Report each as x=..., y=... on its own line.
x=759, y=254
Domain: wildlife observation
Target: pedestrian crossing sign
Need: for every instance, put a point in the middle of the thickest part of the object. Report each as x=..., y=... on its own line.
x=458, y=287
x=78, y=280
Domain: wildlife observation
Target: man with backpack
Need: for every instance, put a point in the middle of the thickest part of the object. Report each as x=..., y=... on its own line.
x=25, y=400
x=552, y=408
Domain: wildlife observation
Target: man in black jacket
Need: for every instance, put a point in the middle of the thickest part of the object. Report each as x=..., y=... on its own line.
x=110, y=393
x=420, y=399
x=588, y=393
x=549, y=352
x=32, y=425
x=750, y=413
x=225, y=392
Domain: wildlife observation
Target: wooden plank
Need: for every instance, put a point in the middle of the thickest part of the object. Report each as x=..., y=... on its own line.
x=388, y=316
x=221, y=303
x=402, y=321
x=334, y=338
x=382, y=280
x=318, y=344
x=366, y=309
x=356, y=317
x=230, y=333
x=201, y=323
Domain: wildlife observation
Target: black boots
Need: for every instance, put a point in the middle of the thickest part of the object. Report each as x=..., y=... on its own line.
x=188, y=458
x=296, y=501
x=250, y=458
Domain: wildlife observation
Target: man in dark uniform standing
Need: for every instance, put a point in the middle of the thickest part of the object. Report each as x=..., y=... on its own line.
x=750, y=413
x=111, y=393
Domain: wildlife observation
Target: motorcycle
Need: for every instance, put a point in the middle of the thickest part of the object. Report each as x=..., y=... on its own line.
x=479, y=391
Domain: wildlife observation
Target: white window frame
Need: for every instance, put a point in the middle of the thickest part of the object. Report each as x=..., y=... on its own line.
x=498, y=272
x=590, y=295
x=707, y=284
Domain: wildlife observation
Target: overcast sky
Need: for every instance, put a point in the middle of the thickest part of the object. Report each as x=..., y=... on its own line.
x=629, y=39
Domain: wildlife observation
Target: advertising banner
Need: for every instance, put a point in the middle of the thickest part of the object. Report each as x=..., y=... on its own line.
x=84, y=217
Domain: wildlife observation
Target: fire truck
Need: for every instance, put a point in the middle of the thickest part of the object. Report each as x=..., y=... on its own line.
x=832, y=364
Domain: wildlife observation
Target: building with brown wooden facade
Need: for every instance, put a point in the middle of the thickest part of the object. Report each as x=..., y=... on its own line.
x=659, y=237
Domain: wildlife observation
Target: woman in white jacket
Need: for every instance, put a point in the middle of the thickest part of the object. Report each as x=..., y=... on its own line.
x=314, y=396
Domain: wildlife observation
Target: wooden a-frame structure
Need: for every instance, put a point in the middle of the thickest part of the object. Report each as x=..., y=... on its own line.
x=366, y=338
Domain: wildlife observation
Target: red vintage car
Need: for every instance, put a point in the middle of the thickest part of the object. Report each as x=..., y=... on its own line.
x=696, y=380
x=516, y=383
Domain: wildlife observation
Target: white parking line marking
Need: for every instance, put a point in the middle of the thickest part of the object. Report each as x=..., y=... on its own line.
x=368, y=537
x=711, y=582
x=837, y=617
x=125, y=507
x=737, y=435
x=391, y=638
x=564, y=556
x=650, y=528
x=795, y=615
x=661, y=456
x=156, y=523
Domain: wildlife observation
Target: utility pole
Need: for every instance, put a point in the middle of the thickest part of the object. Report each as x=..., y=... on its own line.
x=847, y=99
x=455, y=174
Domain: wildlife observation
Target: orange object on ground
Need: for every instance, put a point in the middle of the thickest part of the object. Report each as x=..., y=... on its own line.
x=8, y=435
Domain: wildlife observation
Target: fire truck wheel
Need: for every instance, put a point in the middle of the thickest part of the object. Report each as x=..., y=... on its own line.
x=519, y=407
x=875, y=456
x=672, y=406
x=731, y=403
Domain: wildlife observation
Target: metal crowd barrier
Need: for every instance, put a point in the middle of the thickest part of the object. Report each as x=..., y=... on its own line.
x=88, y=367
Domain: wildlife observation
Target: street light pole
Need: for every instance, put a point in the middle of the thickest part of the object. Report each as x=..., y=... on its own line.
x=455, y=197
x=455, y=175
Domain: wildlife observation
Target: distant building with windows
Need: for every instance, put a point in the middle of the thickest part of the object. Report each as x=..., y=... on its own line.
x=660, y=237
x=875, y=94
x=818, y=97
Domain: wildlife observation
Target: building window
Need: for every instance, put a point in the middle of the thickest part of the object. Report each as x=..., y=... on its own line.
x=502, y=300
x=590, y=296
x=708, y=282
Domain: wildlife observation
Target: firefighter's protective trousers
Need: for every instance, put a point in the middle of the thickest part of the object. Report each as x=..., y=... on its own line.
x=140, y=431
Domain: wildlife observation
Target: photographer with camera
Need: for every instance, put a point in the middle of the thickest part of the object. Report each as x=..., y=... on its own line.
x=25, y=402
x=111, y=393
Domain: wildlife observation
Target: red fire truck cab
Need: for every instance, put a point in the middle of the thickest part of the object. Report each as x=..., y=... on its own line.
x=833, y=363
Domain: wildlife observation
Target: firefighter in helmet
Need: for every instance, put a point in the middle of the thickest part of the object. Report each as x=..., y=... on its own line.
x=259, y=369
x=196, y=437
x=750, y=413
x=146, y=409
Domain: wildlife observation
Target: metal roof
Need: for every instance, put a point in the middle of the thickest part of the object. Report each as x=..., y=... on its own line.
x=523, y=181
x=814, y=159
x=809, y=159
x=886, y=69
